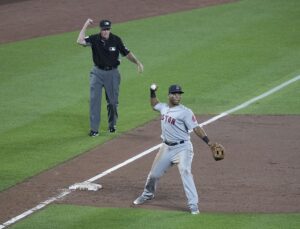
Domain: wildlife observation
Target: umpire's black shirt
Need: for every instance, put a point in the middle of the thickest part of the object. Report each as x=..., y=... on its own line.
x=106, y=52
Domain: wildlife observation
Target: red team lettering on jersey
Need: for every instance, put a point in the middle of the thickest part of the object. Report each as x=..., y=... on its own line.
x=194, y=118
x=168, y=119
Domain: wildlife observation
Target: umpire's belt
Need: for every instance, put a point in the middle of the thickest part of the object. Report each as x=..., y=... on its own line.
x=173, y=143
x=107, y=68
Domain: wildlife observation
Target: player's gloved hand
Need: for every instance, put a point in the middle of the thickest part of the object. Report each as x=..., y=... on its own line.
x=218, y=151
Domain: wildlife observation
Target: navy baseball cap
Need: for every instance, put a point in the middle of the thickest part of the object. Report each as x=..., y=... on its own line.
x=175, y=89
x=105, y=24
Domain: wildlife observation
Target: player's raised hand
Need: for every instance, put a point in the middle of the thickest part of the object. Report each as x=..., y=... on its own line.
x=153, y=87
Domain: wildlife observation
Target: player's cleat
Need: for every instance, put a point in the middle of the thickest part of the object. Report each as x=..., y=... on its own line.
x=142, y=199
x=195, y=212
x=93, y=133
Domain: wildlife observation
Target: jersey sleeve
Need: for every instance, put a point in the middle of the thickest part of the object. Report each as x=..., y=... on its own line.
x=190, y=120
x=159, y=106
x=122, y=48
x=89, y=40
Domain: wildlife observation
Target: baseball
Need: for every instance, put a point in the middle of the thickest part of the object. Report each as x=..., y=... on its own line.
x=153, y=86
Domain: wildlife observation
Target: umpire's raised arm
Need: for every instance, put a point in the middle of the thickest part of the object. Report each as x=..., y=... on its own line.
x=81, y=36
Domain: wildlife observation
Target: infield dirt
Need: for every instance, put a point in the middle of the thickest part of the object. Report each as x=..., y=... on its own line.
x=260, y=172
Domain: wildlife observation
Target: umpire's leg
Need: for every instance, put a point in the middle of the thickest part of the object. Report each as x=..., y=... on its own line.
x=111, y=84
x=96, y=84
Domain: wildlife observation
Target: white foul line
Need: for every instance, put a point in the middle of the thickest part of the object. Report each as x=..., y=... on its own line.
x=67, y=192
x=34, y=209
x=253, y=100
x=124, y=163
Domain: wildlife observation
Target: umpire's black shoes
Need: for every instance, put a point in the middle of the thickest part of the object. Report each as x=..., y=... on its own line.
x=112, y=129
x=93, y=133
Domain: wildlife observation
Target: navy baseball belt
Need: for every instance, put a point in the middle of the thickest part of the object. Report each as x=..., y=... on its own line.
x=173, y=143
x=106, y=68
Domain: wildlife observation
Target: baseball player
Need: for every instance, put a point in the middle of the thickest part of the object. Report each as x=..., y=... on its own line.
x=176, y=149
x=106, y=49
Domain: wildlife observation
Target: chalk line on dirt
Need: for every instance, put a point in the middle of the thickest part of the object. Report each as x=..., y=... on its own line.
x=148, y=151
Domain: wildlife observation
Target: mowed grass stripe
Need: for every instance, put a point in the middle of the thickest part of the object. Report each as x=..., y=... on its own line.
x=68, y=216
x=226, y=55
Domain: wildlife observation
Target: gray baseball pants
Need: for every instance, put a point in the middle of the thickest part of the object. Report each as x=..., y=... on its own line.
x=182, y=156
x=110, y=80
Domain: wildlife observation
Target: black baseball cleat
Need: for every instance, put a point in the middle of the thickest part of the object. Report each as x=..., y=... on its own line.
x=93, y=133
x=112, y=129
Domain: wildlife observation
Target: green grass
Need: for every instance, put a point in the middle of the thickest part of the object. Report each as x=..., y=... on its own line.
x=271, y=104
x=64, y=216
x=222, y=56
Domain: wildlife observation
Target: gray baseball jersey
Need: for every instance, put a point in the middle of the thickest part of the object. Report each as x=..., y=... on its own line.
x=176, y=122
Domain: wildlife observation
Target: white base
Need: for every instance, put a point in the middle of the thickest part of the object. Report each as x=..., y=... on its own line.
x=86, y=186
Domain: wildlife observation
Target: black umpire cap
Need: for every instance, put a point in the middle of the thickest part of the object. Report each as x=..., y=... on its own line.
x=175, y=89
x=105, y=24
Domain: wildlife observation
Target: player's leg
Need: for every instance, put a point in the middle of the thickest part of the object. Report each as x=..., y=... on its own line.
x=111, y=84
x=96, y=85
x=160, y=165
x=184, y=167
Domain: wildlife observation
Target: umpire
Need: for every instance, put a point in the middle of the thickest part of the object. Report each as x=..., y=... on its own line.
x=106, y=49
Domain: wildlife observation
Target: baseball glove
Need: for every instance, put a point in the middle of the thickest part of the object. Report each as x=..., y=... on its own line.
x=218, y=151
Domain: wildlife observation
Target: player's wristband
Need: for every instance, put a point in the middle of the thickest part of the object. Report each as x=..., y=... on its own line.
x=205, y=139
x=152, y=94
